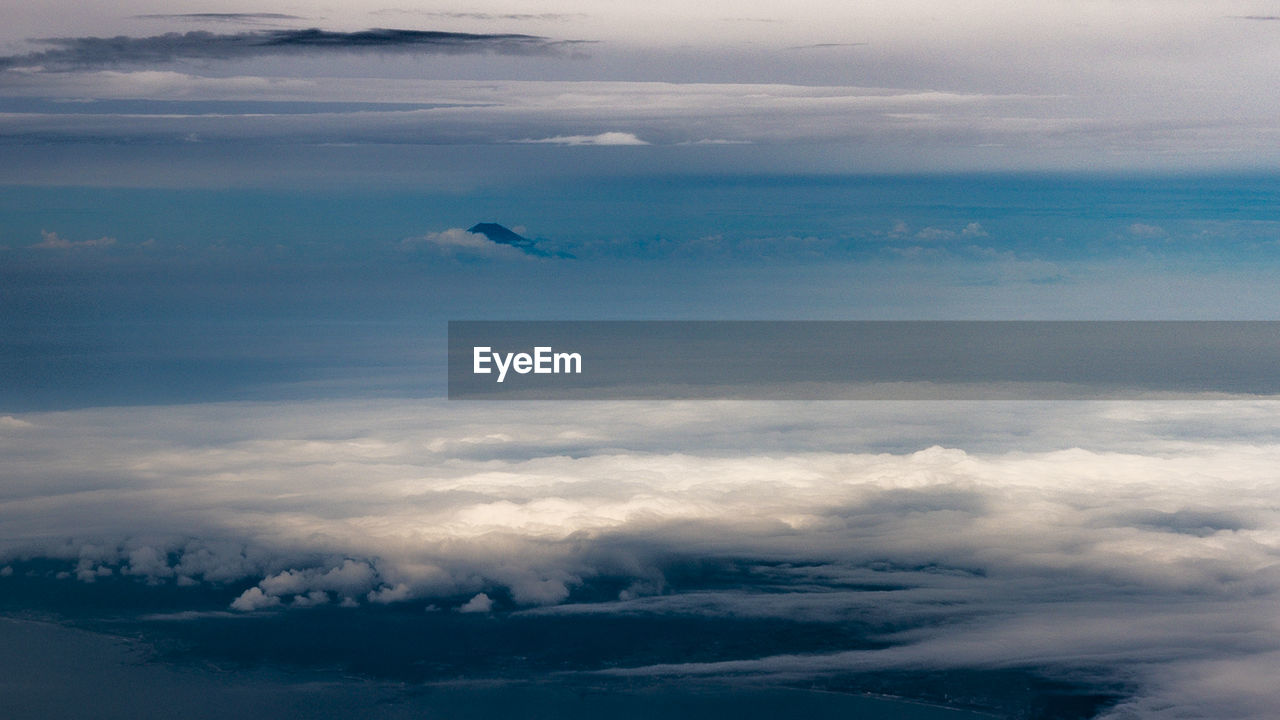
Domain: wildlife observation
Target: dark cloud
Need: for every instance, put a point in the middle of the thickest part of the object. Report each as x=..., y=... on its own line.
x=89, y=52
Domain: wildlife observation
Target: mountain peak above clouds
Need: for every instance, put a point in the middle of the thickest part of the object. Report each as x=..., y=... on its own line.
x=505, y=236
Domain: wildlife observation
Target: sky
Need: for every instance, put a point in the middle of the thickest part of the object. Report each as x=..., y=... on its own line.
x=232, y=237
x=809, y=87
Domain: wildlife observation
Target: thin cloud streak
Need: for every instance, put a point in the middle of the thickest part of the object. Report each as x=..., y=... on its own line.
x=546, y=113
x=827, y=46
x=221, y=17
x=547, y=17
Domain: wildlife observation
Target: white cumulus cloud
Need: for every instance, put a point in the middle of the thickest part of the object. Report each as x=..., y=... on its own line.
x=478, y=604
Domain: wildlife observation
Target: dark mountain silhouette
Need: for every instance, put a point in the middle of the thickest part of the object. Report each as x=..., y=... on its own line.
x=505, y=236
x=501, y=235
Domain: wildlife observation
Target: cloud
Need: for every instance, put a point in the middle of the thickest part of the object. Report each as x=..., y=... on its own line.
x=311, y=586
x=478, y=604
x=75, y=53
x=934, y=233
x=148, y=562
x=1074, y=540
x=536, y=113
x=222, y=17
x=314, y=598
x=1144, y=230
x=1073, y=115
x=827, y=46
x=254, y=599
x=937, y=234
x=391, y=594
x=757, y=117
x=715, y=141
x=553, y=17
x=54, y=241
x=458, y=242
x=607, y=138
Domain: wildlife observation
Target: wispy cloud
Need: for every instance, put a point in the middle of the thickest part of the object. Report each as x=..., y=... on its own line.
x=53, y=241
x=69, y=53
x=549, y=17
x=231, y=17
x=606, y=138
x=715, y=141
x=827, y=46
x=548, y=113
x=1147, y=230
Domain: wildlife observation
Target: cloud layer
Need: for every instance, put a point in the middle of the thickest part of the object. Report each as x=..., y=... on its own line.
x=751, y=124
x=1133, y=542
x=1057, y=85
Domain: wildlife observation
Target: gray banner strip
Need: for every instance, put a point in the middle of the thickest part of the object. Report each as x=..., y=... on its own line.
x=808, y=360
